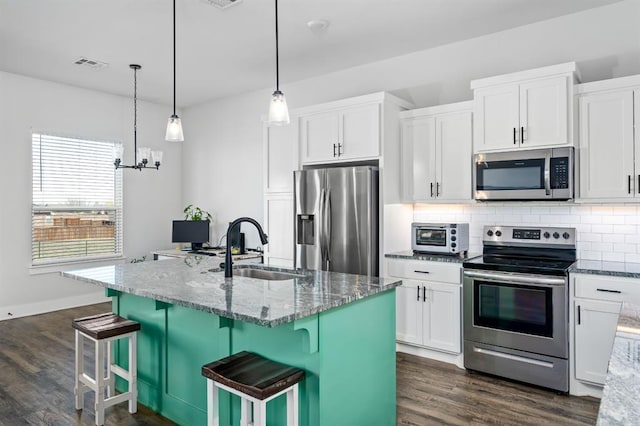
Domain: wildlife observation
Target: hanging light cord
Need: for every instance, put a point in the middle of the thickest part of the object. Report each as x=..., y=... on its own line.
x=277, y=57
x=174, y=57
x=135, y=116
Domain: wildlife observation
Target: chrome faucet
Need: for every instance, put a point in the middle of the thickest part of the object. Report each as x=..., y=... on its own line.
x=227, y=256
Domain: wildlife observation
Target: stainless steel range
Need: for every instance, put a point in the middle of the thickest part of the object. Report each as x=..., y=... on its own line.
x=516, y=311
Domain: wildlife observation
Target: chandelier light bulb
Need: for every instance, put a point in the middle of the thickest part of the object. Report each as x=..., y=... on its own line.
x=278, y=111
x=174, y=129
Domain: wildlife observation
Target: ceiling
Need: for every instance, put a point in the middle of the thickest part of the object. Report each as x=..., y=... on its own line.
x=226, y=52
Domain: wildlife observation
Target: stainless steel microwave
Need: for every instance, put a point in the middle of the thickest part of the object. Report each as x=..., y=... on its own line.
x=440, y=238
x=538, y=174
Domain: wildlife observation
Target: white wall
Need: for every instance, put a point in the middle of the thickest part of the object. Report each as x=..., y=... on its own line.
x=151, y=198
x=224, y=137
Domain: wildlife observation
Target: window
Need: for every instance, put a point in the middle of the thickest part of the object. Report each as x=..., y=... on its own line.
x=77, y=200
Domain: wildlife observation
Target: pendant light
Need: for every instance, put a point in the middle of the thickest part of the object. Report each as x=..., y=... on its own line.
x=174, y=125
x=278, y=111
x=143, y=153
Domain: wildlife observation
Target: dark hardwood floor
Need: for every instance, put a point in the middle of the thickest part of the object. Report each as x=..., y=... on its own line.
x=36, y=386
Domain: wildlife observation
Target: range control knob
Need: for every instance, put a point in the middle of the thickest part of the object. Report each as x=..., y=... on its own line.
x=556, y=235
x=498, y=233
x=566, y=235
x=453, y=245
x=453, y=232
x=453, y=238
x=490, y=233
x=546, y=235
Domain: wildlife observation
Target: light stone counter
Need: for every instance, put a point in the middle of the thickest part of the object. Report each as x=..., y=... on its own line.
x=620, y=404
x=610, y=269
x=189, y=282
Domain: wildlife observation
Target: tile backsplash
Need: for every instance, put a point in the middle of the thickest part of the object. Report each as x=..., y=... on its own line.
x=604, y=232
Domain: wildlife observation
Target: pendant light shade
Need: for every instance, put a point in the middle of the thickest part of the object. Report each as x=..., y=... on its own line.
x=278, y=111
x=174, y=129
x=174, y=125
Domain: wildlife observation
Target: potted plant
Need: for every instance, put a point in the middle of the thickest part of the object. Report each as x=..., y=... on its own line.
x=196, y=213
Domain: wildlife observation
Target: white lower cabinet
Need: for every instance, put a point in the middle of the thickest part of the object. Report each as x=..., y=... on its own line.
x=596, y=302
x=595, y=329
x=428, y=312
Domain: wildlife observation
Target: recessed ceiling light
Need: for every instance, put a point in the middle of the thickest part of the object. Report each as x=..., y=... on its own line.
x=318, y=25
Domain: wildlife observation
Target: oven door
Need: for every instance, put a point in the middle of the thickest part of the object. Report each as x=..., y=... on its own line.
x=517, y=311
x=432, y=239
x=513, y=176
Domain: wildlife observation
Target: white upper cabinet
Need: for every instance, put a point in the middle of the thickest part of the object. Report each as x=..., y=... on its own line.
x=609, y=154
x=344, y=134
x=529, y=109
x=281, y=157
x=437, y=157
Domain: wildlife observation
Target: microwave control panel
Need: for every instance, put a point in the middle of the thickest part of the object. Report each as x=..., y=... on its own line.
x=559, y=172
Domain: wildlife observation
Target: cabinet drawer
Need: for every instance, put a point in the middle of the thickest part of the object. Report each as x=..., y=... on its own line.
x=424, y=270
x=607, y=288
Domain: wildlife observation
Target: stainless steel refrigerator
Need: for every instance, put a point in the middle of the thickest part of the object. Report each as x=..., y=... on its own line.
x=336, y=219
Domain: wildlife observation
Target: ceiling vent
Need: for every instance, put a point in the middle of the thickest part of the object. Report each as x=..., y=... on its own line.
x=222, y=4
x=90, y=63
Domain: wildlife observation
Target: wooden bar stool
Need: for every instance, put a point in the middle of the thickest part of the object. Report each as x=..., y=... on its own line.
x=102, y=330
x=256, y=381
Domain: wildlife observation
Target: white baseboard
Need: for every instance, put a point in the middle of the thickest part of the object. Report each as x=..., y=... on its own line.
x=455, y=359
x=18, y=311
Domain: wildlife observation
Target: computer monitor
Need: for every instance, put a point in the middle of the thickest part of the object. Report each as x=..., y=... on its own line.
x=195, y=232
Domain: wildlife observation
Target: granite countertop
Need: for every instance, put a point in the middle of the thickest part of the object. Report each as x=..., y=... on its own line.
x=612, y=269
x=619, y=404
x=409, y=254
x=190, y=282
x=216, y=252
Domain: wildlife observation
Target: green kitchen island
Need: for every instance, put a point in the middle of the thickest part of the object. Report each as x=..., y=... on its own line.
x=339, y=328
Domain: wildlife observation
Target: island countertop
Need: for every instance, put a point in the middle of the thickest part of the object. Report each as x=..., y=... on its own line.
x=199, y=283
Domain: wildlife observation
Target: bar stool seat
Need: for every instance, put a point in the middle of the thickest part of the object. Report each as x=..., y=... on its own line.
x=256, y=380
x=102, y=330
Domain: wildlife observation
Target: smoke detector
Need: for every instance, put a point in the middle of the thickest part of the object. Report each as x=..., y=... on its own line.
x=222, y=4
x=90, y=63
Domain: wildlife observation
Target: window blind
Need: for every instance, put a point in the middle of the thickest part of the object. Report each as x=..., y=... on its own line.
x=77, y=200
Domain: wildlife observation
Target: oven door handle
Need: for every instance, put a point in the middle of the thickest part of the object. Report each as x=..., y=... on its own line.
x=516, y=279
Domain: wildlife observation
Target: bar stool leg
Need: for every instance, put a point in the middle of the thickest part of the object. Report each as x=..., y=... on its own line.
x=213, y=417
x=109, y=378
x=99, y=378
x=245, y=412
x=292, y=406
x=133, y=374
x=79, y=387
x=260, y=414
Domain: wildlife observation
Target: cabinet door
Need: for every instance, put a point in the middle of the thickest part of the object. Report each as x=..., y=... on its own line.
x=636, y=117
x=409, y=312
x=279, y=228
x=360, y=129
x=281, y=156
x=606, y=145
x=544, y=112
x=320, y=132
x=496, y=118
x=441, y=318
x=595, y=328
x=422, y=133
x=453, y=156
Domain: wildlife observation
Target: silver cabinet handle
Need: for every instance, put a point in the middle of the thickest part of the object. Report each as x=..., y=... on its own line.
x=514, y=135
x=522, y=134
x=424, y=293
x=334, y=149
x=431, y=184
x=418, y=288
x=422, y=272
x=437, y=189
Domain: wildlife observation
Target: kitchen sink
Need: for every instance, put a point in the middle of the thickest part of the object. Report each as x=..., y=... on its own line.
x=263, y=274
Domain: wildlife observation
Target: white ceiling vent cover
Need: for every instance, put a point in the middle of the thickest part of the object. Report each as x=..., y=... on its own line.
x=222, y=4
x=90, y=63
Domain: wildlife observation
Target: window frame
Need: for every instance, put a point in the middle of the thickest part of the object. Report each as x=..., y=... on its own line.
x=52, y=264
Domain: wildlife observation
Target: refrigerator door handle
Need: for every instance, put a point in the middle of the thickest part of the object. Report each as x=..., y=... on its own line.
x=322, y=237
x=327, y=217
